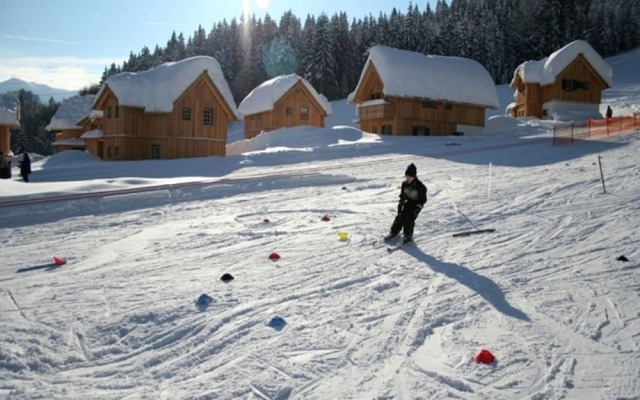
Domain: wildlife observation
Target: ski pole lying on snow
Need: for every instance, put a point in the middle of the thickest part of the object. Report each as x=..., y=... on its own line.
x=467, y=233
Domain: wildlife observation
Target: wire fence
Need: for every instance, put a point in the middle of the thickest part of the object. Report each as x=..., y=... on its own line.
x=595, y=128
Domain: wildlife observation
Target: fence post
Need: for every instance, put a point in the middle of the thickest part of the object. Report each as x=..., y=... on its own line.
x=601, y=174
x=571, y=132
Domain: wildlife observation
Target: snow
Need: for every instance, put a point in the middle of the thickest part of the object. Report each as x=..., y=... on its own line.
x=92, y=134
x=9, y=110
x=331, y=319
x=264, y=97
x=158, y=88
x=546, y=70
x=410, y=74
x=71, y=112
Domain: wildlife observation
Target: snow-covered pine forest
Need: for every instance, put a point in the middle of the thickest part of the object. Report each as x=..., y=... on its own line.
x=329, y=51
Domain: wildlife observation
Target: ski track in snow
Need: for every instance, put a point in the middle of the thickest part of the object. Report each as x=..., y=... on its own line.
x=361, y=323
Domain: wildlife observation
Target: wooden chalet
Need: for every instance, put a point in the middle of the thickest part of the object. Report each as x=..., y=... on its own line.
x=9, y=119
x=408, y=93
x=176, y=110
x=570, y=80
x=66, y=122
x=92, y=133
x=283, y=102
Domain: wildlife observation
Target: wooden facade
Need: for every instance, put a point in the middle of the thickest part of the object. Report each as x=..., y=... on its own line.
x=578, y=83
x=393, y=115
x=196, y=127
x=92, y=144
x=72, y=137
x=5, y=139
x=296, y=107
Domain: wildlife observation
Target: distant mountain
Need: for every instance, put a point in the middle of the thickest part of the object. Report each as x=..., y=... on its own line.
x=43, y=91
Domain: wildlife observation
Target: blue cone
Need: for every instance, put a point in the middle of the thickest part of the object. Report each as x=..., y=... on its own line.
x=204, y=300
x=277, y=323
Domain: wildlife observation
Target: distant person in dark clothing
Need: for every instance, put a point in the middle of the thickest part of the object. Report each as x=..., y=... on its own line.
x=25, y=166
x=609, y=112
x=413, y=196
x=5, y=167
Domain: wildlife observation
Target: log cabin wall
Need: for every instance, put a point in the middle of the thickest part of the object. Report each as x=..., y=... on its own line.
x=296, y=107
x=5, y=139
x=196, y=127
x=410, y=116
x=578, y=82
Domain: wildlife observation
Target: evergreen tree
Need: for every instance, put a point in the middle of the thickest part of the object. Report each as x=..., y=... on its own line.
x=320, y=71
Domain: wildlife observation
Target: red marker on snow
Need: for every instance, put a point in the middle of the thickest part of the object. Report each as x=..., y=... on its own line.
x=59, y=261
x=484, y=357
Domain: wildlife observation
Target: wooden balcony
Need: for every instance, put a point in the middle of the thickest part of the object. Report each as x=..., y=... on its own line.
x=375, y=111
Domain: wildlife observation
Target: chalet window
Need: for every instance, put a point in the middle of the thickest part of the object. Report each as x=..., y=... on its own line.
x=117, y=111
x=155, y=151
x=429, y=104
x=288, y=111
x=304, y=112
x=93, y=126
x=116, y=152
x=545, y=112
x=109, y=112
x=374, y=129
x=386, y=130
x=375, y=96
x=570, y=85
x=109, y=152
x=420, y=130
x=186, y=114
x=208, y=116
x=448, y=106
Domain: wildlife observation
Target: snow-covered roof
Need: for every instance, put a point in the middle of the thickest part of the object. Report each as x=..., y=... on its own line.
x=158, y=88
x=545, y=71
x=69, y=142
x=71, y=111
x=93, y=134
x=410, y=74
x=9, y=109
x=265, y=96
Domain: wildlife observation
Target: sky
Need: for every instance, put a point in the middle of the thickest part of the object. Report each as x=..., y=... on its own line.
x=66, y=44
x=548, y=293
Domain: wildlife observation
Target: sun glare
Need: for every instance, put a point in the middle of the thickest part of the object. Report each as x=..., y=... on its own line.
x=262, y=4
x=246, y=7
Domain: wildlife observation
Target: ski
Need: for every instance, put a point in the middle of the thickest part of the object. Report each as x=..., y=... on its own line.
x=391, y=249
x=469, y=233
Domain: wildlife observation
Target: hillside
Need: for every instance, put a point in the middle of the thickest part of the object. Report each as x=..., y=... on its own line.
x=548, y=293
x=44, y=92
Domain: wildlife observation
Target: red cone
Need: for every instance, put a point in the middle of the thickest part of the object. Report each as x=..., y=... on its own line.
x=274, y=256
x=59, y=261
x=325, y=218
x=484, y=357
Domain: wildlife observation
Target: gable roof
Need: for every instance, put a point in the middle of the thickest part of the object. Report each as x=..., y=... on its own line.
x=70, y=112
x=266, y=95
x=9, y=110
x=415, y=75
x=546, y=70
x=158, y=88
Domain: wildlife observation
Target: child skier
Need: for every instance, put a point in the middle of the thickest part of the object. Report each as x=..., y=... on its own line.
x=413, y=196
